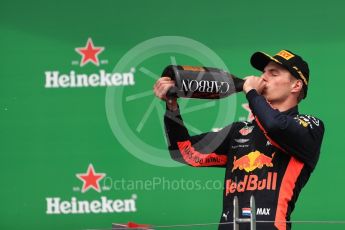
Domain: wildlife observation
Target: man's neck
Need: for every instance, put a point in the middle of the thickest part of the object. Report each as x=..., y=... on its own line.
x=284, y=106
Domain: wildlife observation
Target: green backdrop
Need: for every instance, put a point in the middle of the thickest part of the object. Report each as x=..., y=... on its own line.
x=50, y=136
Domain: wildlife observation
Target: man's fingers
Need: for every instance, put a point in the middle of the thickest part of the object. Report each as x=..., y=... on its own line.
x=164, y=92
x=165, y=78
x=162, y=86
x=253, y=82
x=163, y=81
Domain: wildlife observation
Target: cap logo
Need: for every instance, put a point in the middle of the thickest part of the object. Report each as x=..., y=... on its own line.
x=285, y=54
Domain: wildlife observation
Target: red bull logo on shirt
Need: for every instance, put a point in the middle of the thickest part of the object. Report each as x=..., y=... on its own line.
x=252, y=161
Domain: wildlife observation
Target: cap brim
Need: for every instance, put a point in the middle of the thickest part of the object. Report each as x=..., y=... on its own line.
x=259, y=60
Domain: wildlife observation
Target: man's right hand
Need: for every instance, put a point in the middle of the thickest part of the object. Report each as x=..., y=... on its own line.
x=161, y=88
x=253, y=82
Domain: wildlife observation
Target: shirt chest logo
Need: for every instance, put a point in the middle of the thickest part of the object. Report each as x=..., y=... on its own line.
x=246, y=130
x=252, y=161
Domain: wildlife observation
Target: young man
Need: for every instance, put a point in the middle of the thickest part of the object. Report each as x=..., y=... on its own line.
x=270, y=157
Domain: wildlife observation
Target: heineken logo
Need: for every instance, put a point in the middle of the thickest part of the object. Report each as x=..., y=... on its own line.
x=54, y=79
x=90, y=182
x=103, y=205
x=89, y=54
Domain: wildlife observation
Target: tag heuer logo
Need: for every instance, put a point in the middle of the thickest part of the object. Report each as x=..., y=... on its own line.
x=246, y=130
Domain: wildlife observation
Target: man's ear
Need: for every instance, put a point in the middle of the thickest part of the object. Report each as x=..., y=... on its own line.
x=297, y=86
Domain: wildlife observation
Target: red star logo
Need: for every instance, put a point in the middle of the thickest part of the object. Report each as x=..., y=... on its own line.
x=89, y=53
x=90, y=179
x=250, y=114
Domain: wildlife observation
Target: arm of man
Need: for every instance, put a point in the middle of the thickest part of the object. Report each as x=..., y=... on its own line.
x=204, y=150
x=299, y=138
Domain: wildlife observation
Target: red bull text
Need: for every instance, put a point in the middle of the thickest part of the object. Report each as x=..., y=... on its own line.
x=251, y=183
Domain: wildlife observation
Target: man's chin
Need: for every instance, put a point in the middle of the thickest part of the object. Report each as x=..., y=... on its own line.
x=266, y=96
x=264, y=93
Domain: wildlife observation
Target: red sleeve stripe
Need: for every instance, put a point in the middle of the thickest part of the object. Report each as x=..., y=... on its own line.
x=197, y=159
x=288, y=183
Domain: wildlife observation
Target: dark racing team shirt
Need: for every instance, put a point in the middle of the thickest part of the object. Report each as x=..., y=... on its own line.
x=271, y=158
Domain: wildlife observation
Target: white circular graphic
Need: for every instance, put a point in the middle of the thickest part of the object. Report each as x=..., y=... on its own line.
x=115, y=100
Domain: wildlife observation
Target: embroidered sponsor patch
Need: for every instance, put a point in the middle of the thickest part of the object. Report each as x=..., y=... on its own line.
x=246, y=130
x=285, y=54
x=307, y=120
